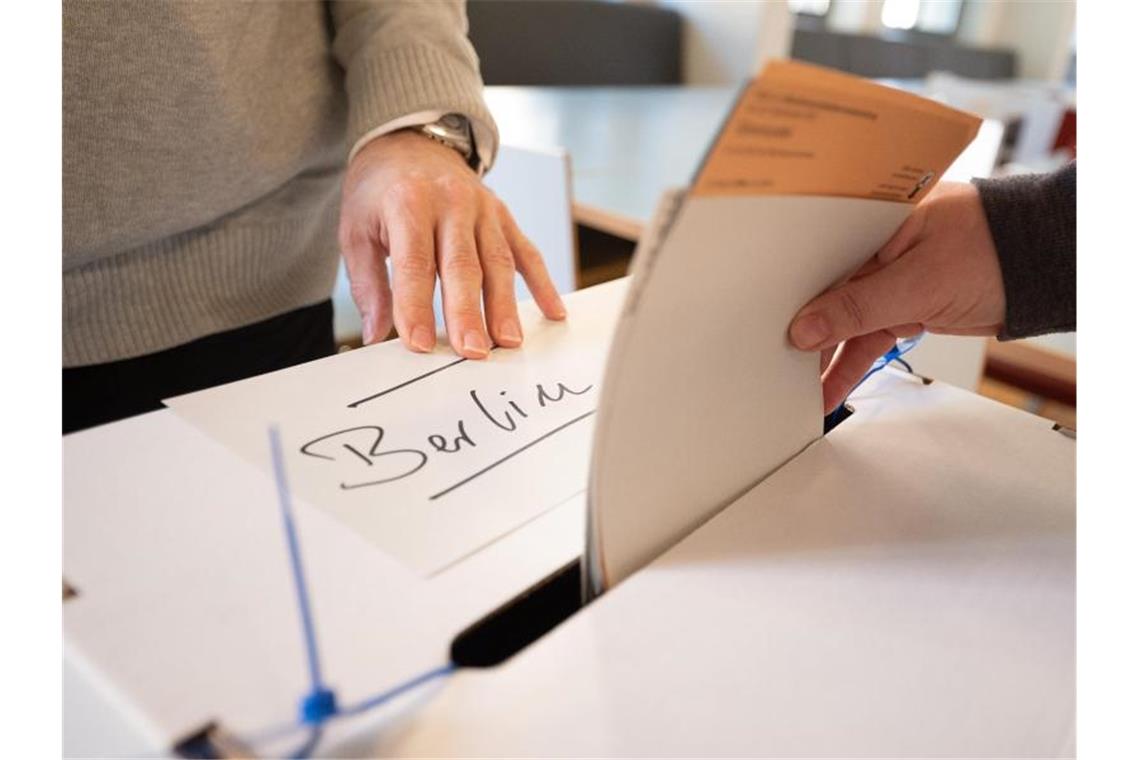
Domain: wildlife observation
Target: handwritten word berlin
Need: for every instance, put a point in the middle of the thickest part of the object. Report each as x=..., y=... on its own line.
x=364, y=444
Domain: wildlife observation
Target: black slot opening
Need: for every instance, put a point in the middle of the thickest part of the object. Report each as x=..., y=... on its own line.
x=836, y=418
x=211, y=742
x=525, y=619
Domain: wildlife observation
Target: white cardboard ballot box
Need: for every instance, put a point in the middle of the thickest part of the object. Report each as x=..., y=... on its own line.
x=904, y=586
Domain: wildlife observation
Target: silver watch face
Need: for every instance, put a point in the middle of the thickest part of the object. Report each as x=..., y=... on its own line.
x=453, y=130
x=455, y=121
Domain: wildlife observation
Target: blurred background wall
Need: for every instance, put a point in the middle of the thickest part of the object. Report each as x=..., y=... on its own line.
x=718, y=42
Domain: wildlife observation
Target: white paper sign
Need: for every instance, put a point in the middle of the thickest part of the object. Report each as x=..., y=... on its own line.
x=430, y=457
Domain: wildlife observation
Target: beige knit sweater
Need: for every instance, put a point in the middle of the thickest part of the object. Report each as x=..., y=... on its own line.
x=203, y=144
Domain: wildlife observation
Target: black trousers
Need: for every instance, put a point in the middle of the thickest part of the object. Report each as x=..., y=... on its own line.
x=100, y=393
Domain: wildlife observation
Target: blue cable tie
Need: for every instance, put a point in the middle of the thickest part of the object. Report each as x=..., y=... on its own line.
x=372, y=702
x=318, y=706
x=307, y=747
x=901, y=347
x=320, y=703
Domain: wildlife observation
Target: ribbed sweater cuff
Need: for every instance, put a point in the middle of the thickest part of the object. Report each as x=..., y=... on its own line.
x=413, y=78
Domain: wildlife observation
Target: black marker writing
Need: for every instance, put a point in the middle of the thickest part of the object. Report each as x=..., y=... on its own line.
x=561, y=390
x=405, y=462
x=509, y=425
x=439, y=442
x=517, y=408
x=359, y=448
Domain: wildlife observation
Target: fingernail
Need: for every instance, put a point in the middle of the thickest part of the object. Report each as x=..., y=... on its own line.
x=475, y=343
x=559, y=309
x=809, y=332
x=423, y=339
x=510, y=333
x=366, y=329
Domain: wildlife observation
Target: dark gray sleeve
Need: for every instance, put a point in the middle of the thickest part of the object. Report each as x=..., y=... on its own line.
x=1033, y=220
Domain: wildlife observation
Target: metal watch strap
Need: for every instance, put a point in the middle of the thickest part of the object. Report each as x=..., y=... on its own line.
x=454, y=131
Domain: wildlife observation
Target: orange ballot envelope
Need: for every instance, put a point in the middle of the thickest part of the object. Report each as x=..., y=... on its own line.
x=702, y=396
x=803, y=130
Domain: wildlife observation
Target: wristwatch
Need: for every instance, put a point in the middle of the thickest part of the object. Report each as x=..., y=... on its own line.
x=454, y=131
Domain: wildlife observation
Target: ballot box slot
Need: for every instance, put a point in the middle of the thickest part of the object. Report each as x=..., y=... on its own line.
x=837, y=418
x=212, y=742
x=523, y=620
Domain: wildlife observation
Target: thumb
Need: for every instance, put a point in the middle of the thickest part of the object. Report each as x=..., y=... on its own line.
x=875, y=302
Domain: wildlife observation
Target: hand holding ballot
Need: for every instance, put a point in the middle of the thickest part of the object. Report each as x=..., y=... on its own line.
x=997, y=257
x=939, y=273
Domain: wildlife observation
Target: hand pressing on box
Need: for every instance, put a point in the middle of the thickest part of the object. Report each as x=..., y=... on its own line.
x=939, y=273
x=416, y=201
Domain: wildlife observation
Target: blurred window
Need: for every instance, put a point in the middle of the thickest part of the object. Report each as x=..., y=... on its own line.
x=931, y=16
x=810, y=7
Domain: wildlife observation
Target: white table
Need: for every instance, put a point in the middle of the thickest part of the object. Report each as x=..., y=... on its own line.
x=626, y=144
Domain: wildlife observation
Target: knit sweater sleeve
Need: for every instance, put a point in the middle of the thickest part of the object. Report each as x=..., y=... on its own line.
x=404, y=57
x=1033, y=220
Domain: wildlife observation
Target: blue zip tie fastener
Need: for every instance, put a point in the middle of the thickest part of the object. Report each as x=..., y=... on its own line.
x=901, y=347
x=320, y=703
x=318, y=706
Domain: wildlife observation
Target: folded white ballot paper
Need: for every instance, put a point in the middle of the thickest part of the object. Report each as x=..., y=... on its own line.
x=430, y=457
x=704, y=397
